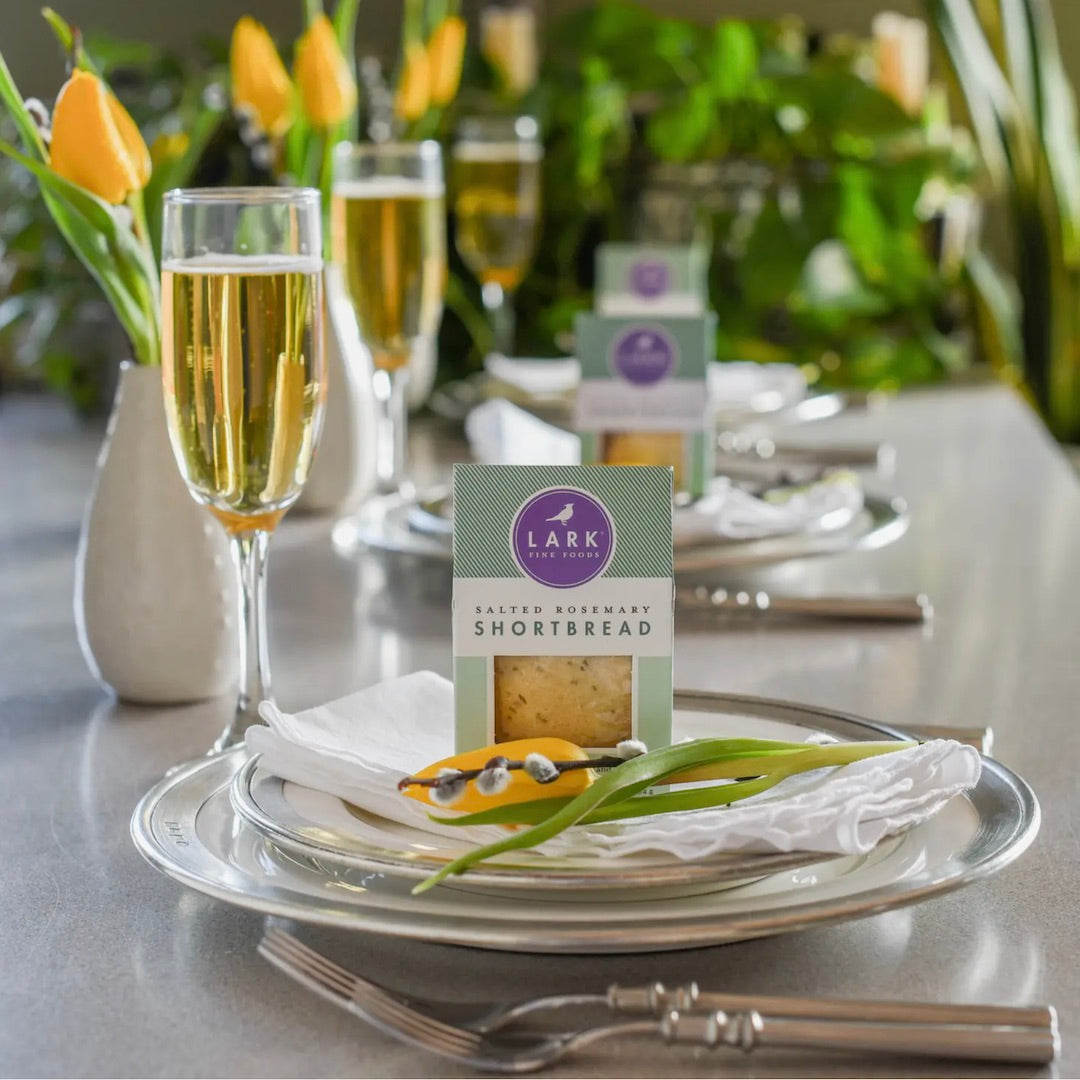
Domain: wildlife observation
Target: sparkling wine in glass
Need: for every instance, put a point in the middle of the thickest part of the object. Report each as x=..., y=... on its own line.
x=388, y=237
x=244, y=377
x=496, y=185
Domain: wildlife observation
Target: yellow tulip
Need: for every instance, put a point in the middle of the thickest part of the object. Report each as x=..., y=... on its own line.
x=414, y=88
x=327, y=87
x=95, y=143
x=902, y=52
x=169, y=147
x=259, y=80
x=508, y=42
x=522, y=787
x=445, y=52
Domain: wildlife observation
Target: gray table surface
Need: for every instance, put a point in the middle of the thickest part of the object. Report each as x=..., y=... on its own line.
x=111, y=969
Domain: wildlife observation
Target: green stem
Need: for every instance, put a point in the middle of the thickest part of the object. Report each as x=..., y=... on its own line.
x=326, y=182
x=722, y=794
x=412, y=25
x=472, y=317
x=771, y=768
x=151, y=282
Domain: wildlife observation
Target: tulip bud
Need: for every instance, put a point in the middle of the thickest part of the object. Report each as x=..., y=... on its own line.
x=95, y=143
x=902, y=51
x=260, y=83
x=327, y=87
x=445, y=52
x=508, y=42
x=414, y=88
x=169, y=147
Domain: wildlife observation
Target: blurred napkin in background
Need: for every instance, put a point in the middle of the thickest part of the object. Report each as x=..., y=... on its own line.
x=358, y=747
x=536, y=378
x=743, y=386
x=500, y=433
x=733, y=514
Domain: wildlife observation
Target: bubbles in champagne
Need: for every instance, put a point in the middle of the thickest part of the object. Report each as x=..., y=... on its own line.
x=496, y=208
x=244, y=380
x=388, y=235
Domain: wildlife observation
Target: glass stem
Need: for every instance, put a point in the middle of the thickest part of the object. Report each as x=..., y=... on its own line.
x=249, y=554
x=501, y=312
x=390, y=428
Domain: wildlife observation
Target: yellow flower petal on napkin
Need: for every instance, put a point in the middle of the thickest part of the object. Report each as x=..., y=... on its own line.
x=522, y=788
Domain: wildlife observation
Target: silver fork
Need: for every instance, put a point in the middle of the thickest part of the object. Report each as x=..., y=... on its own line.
x=744, y=1029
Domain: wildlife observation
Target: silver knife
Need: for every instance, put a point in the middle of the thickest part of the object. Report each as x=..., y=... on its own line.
x=911, y=608
x=764, y=448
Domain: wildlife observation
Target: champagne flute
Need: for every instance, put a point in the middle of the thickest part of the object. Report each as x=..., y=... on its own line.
x=388, y=236
x=496, y=181
x=244, y=377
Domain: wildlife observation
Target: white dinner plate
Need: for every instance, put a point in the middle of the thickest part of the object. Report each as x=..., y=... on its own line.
x=187, y=827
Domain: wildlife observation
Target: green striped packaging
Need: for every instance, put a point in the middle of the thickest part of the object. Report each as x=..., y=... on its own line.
x=653, y=279
x=562, y=561
x=647, y=375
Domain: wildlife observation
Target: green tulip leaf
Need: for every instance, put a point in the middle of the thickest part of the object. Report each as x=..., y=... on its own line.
x=108, y=249
x=618, y=793
x=28, y=130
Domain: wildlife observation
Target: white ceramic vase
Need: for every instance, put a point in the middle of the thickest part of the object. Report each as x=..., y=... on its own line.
x=155, y=588
x=343, y=472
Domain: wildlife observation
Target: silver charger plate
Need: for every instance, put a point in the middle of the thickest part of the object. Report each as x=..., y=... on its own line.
x=186, y=826
x=454, y=401
x=421, y=524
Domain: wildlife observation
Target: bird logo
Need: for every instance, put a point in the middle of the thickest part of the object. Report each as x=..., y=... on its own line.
x=564, y=515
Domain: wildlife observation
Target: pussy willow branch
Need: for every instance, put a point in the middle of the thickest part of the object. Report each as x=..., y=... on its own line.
x=502, y=763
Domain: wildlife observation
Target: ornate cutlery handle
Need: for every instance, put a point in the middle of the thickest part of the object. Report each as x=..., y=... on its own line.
x=658, y=1000
x=749, y=1029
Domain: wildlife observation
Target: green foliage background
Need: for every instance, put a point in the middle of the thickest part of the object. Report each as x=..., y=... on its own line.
x=764, y=141
x=808, y=183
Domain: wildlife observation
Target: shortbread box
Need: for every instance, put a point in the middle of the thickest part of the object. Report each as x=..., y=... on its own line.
x=654, y=279
x=563, y=604
x=643, y=397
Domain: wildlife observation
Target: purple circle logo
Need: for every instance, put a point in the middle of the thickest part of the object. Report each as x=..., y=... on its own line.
x=649, y=278
x=563, y=537
x=643, y=356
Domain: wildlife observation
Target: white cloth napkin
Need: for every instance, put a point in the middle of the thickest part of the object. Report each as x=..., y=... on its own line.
x=732, y=385
x=358, y=747
x=537, y=378
x=728, y=512
x=500, y=433
x=736, y=385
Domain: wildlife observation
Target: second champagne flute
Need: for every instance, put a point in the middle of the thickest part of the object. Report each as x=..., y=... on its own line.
x=388, y=236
